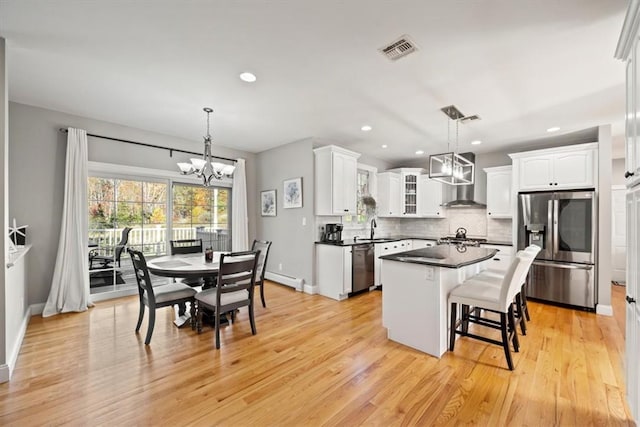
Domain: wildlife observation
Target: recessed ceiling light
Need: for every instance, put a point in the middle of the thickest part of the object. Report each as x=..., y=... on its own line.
x=419, y=152
x=248, y=77
x=384, y=146
x=476, y=142
x=366, y=128
x=553, y=129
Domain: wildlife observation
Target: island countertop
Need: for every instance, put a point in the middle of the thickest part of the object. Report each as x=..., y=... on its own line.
x=447, y=256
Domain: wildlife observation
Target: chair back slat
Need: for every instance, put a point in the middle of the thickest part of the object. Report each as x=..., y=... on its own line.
x=142, y=274
x=186, y=246
x=237, y=271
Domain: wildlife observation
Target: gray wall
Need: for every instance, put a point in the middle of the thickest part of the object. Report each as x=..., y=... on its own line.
x=293, y=245
x=36, y=175
x=4, y=107
x=617, y=172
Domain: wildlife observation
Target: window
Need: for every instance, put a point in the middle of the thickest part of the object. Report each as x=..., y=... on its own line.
x=118, y=203
x=363, y=189
x=202, y=213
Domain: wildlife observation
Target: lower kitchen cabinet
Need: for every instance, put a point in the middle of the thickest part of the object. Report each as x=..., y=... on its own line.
x=387, y=249
x=502, y=259
x=334, y=269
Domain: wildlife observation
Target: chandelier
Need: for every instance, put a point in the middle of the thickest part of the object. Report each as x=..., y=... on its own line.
x=205, y=167
x=451, y=168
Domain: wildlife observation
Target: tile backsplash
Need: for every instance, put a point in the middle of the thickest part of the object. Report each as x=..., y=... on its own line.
x=473, y=219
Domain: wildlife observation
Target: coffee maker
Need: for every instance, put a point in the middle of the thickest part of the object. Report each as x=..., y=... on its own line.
x=332, y=233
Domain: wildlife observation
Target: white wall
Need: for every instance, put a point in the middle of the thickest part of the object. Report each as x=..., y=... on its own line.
x=4, y=144
x=37, y=160
x=617, y=172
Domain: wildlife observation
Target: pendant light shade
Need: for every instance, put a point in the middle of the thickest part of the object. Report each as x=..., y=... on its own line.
x=450, y=167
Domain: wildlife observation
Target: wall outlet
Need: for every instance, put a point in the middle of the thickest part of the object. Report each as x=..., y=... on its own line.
x=304, y=220
x=280, y=266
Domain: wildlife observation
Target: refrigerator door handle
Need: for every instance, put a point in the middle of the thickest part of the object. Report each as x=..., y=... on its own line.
x=554, y=218
x=566, y=266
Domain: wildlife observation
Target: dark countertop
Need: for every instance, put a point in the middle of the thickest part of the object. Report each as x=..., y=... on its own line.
x=498, y=242
x=448, y=256
x=350, y=242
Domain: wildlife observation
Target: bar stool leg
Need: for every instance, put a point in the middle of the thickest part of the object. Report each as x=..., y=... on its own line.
x=505, y=340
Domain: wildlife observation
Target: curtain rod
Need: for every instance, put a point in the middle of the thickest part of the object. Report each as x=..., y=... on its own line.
x=144, y=144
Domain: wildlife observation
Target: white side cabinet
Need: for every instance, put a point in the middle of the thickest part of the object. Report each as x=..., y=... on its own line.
x=632, y=330
x=389, y=194
x=336, y=172
x=334, y=270
x=499, y=192
x=568, y=167
x=430, y=198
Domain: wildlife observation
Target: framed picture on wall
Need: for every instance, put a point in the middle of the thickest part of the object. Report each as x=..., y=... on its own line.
x=292, y=189
x=268, y=203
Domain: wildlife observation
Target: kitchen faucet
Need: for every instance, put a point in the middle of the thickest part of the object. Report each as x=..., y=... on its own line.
x=373, y=225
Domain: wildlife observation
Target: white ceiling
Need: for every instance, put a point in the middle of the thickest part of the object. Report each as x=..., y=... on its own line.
x=523, y=66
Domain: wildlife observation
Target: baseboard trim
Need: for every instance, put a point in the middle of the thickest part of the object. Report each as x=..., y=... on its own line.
x=605, y=310
x=294, y=282
x=17, y=345
x=310, y=289
x=36, y=309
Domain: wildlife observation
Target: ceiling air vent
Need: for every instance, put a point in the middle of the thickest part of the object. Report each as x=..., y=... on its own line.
x=399, y=48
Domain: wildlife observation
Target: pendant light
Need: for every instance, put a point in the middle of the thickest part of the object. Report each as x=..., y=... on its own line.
x=206, y=168
x=451, y=168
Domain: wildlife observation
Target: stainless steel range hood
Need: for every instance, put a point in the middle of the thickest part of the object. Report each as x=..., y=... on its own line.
x=465, y=193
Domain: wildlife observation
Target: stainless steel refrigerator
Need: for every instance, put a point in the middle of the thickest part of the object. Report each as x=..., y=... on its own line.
x=564, y=225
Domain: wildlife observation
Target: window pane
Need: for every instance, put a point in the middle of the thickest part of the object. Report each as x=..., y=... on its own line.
x=101, y=214
x=128, y=214
x=100, y=188
x=155, y=213
x=181, y=195
x=129, y=191
x=154, y=192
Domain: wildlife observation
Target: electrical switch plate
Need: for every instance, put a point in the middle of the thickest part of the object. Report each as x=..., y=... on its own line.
x=280, y=266
x=304, y=220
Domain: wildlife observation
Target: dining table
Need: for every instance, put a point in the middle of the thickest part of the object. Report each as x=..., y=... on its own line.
x=186, y=266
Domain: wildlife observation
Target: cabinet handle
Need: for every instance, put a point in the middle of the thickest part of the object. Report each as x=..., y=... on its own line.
x=437, y=213
x=496, y=259
x=630, y=300
x=551, y=183
x=627, y=174
x=555, y=183
x=346, y=210
x=488, y=213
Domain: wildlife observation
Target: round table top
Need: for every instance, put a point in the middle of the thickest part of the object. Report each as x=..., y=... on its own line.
x=185, y=265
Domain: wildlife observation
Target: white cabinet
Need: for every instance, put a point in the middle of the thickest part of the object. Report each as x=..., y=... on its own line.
x=421, y=244
x=334, y=271
x=499, y=192
x=561, y=168
x=388, y=248
x=430, y=200
x=389, y=194
x=502, y=259
x=335, y=180
x=410, y=189
x=632, y=334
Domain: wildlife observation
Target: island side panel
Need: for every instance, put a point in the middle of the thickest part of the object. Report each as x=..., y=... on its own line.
x=414, y=303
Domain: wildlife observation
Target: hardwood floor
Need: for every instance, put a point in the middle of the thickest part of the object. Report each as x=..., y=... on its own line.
x=314, y=361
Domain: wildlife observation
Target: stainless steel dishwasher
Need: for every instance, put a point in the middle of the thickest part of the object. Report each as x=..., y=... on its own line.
x=362, y=265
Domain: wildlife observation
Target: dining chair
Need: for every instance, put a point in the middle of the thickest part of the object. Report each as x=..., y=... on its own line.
x=106, y=261
x=158, y=296
x=262, y=246
x=187, y=246
x=478, y=296
x=236, y=280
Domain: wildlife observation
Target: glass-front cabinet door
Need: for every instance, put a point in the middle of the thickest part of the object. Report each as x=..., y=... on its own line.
x=410, y=193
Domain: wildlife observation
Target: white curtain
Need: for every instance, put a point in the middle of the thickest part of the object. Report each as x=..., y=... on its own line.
x=239, y=218
x=70, y=284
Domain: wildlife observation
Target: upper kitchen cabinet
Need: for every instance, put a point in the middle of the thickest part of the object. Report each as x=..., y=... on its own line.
x=389, y=194
x=430, y=198
x=632, y=140
x=336, y=180
x=561, y=168
x=410, y=191
x=499, y=192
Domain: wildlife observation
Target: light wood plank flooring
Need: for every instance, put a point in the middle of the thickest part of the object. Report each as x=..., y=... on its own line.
x=313, y=362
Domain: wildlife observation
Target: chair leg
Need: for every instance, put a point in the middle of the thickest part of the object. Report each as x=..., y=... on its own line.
x=252, y=319
x=182, y=309
x=520, y=315
x=452, y=333
x=505, y=340
x=512, y=329
x=193, y=315
x=465, y=319
x=152, y=322
x=525, y=307
x=140, y=316
x=264, y=304
x=199, y=318
x=217, y=315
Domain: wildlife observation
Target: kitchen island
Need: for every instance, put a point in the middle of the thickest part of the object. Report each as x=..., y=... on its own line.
x=416, y=286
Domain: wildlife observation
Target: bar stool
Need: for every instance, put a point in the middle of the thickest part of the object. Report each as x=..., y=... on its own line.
x=484, y=295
